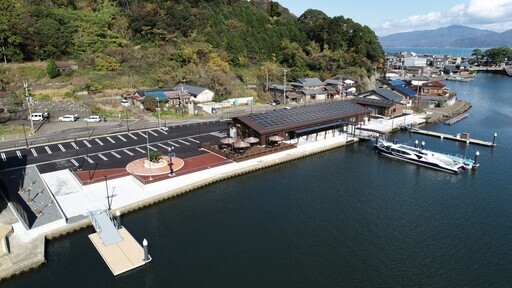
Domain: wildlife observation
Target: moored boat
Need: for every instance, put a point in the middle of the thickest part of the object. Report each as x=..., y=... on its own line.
x=420, y=156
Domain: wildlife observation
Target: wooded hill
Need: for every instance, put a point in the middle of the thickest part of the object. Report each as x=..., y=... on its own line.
x=225, y=45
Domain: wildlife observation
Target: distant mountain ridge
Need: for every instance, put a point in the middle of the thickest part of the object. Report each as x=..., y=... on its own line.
x=455, y=36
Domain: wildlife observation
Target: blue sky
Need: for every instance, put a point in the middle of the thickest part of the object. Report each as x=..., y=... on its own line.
x=393, y=16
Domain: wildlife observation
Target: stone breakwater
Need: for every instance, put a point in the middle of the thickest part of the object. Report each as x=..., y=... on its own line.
x=36, y=256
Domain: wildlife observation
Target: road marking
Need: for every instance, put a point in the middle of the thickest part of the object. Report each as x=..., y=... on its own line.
x=33, y=151
x=143, y=135
x=162, y=145
x=128, y=152
x=132, y=136
x=61, y=147
x=186, y=143
x=115, y=154
x=48, y=149
x=87, y=143
x=103, y=157
x=74, y=162
x=99, y=141
x=3, y=156
x=137, y=148
x=19, y=154
x=74, y=145
x=153, y=148
x=111, y=140
x=193, y=140
x=121, y=138
x=89, y=159
x=174, y=144
x=153, y=133
x=219, y=134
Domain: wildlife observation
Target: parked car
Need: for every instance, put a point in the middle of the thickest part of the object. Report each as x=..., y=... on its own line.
x=274, y=102
x=125, y=103
x=92, y=119
x=67, y=118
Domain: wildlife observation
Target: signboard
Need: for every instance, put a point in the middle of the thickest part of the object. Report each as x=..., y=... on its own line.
x=172, y=155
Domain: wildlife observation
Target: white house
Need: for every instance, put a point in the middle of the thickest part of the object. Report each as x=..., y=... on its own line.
x=199, y=94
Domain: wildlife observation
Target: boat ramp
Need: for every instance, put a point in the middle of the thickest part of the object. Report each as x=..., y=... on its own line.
x=456, y=119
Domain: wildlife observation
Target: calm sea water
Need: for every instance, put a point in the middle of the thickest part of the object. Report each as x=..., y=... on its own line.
x=343, y=218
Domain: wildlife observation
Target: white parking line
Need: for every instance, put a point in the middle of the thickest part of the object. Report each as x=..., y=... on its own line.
x=87, y=143
x=61, y=147
x=99, y=141
x=19, y=154
x=142, y=134
x=89, y=159
x=163, y=130
x=115, y=154
x=218, y=134
x=121, y=137
x=110, y=139
x=173, y=144
x=140, y=150
x=153, y=133
x=193, y=140
x=3, y=156
x=162, y=145
x=74, y=162
x=48, y=149
x=128, y=152
x=74, y=145
x=103, y=157
x=132, y=136
x=33, y=151
x=152, y=148
x=186, y=143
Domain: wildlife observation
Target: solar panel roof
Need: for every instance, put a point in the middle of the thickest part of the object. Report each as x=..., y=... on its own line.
x=304, y=115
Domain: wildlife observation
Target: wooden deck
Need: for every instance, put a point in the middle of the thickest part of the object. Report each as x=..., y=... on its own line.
x=452, y=137
x=122, y=256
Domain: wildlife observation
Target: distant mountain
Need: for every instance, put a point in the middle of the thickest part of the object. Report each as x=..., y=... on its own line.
x=455, y=36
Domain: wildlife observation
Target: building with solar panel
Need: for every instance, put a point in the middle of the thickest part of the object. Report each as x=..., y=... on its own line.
x=300, y=121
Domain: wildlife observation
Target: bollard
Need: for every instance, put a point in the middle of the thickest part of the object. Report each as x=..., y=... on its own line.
x=118, y=219
x=416, y=144
x=476, y=157
x=145, y=245
x=422, y=145
x=494, y=139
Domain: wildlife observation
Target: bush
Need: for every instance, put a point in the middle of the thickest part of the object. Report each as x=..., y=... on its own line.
x=52, y=70
x=43, y=97
x=155, y=156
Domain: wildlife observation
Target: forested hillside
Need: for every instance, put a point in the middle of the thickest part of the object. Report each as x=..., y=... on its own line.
x=226, y=45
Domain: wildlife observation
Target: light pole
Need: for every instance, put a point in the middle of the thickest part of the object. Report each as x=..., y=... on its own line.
x=149, y=160
x=29, y=99
x=158, y=108
x=284, y=88
x=127, y=126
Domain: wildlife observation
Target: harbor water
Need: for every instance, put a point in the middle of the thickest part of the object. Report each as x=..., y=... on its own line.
x=344, y=218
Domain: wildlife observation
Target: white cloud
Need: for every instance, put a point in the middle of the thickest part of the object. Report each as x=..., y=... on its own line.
x=493, y=15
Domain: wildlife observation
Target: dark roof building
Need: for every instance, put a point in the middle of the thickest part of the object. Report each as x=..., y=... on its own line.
x=292, y=123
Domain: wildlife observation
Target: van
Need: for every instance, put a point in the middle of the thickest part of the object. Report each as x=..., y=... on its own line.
x=36, y=117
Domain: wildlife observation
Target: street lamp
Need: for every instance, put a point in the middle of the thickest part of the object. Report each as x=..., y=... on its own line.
x=127, y=125
x=158, y=108
x=284, y=88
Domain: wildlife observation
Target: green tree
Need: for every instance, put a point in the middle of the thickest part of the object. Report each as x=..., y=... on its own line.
x=10, y=36
x=52, y=70
x=150, y=103
x=477, y=54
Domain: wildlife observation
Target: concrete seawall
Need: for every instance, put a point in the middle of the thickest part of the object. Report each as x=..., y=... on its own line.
x=37, y=258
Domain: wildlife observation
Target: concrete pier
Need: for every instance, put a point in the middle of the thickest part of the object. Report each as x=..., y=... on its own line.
x=451, y=137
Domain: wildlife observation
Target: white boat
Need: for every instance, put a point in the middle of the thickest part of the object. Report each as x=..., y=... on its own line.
x=420, y=156
x=456, y=77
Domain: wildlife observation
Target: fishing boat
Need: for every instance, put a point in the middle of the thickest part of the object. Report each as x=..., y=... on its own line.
x=420, y=156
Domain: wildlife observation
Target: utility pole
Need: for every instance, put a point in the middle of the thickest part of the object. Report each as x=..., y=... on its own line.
x=284, y=88
x=158, y=107
x=29, y=99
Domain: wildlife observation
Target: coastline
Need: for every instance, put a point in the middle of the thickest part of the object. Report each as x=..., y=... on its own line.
x=34, y=256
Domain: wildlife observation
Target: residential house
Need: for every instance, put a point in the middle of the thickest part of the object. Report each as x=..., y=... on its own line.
x=381, y=101
x=312, y=88
x=199, y=94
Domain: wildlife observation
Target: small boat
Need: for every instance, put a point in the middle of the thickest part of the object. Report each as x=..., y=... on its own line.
x=456, y=77
x=421, y=157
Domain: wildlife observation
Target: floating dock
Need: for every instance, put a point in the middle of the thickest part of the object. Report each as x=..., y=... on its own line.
x=116, y=246
x=455, y=138
x=456, y=119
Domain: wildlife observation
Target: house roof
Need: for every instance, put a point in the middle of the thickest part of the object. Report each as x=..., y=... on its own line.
x=158, y=94
x=193, y=90
x=396, y=82
x=310, y=82
x=433, y=84
x=374, y=102
x=388, y=94
x=405, y=90
x=286, y=119
x=312, y=91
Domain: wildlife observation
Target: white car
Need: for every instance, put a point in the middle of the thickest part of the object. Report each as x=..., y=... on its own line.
x=125, y=103
x=92, y=119
x=67, y=118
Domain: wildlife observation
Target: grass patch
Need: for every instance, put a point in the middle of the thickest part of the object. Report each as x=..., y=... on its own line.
x=11, y=131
